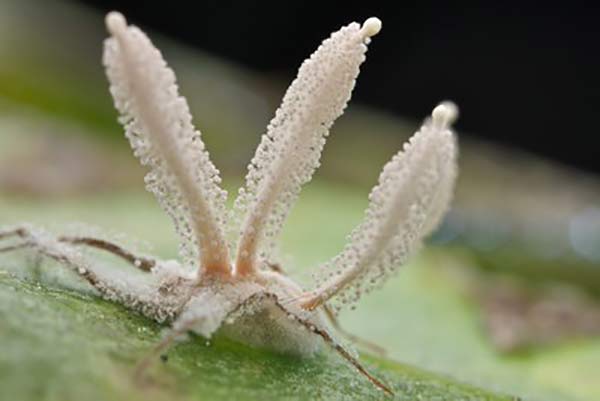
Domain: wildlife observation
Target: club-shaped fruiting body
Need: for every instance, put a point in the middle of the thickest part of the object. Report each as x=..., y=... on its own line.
x=233, y=287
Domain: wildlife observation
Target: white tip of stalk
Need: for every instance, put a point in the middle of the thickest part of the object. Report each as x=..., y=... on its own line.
x=444, y=114
x=115, y=22
x=453, y=111
x=371, y=27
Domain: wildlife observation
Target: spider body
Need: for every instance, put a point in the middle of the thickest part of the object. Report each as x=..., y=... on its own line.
x=255, y=313
x=271, y=326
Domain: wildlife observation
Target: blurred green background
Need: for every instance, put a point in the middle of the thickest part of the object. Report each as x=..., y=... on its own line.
x=504, y=299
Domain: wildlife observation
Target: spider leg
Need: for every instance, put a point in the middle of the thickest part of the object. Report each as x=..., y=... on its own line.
x=346, y=355
x=321, y=333
x=143, y=263
x=62, y=256
x=162, y=346
x=276, y=267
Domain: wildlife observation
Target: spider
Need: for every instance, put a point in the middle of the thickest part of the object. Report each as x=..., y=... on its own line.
x=249, y=298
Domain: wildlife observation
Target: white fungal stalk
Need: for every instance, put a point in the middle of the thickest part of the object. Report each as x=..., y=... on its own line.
x=159, y=127
x=290, y=151
x=412, y=195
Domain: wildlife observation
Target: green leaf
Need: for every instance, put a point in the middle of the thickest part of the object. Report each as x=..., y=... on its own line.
x=59, y=345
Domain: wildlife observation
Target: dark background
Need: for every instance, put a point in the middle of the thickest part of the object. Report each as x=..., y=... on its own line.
x=524, y=75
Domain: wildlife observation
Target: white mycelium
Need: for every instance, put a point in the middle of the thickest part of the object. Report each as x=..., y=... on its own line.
x=246, y=297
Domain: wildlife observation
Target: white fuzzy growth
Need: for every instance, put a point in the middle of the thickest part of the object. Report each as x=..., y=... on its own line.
x=413, y=193
x=290, y=151
x=210, y=306
x=159, y=127
x=447, y=113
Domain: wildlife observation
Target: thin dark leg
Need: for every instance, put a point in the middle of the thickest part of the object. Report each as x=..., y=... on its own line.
x=63, y=258
x=163, y=345
x=67, y=257
x=141, y=262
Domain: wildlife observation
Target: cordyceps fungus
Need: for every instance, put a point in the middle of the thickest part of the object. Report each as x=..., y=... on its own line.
x=237, y=287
